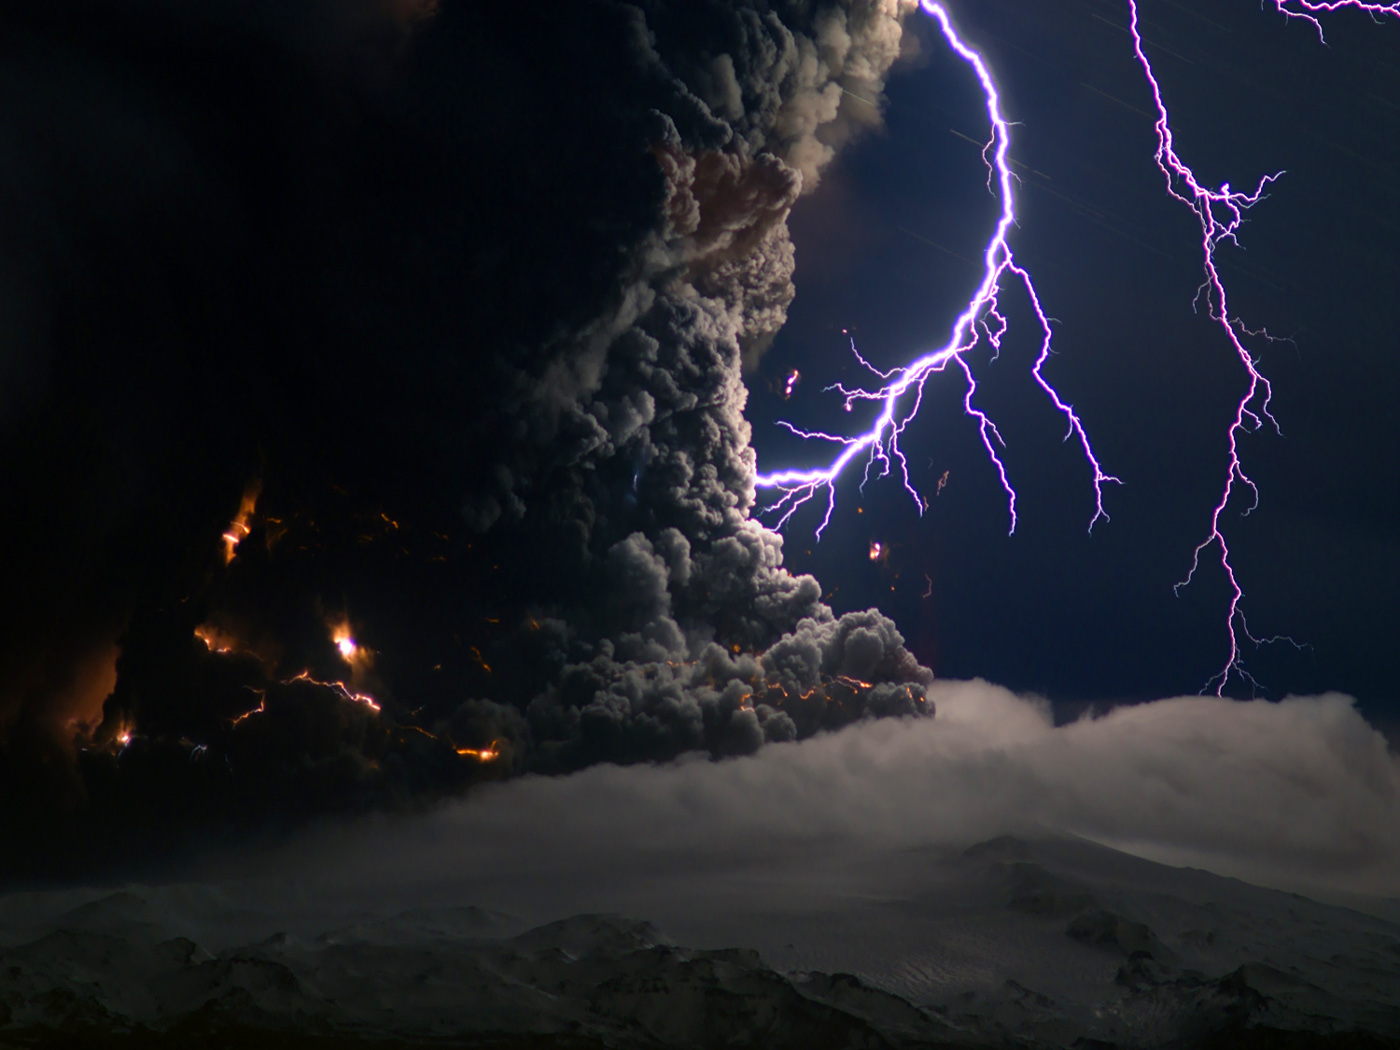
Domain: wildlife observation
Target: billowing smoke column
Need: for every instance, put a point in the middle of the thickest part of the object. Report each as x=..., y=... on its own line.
x=379, y=399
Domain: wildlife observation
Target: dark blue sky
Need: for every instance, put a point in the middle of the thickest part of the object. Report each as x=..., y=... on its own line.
x=887, y=248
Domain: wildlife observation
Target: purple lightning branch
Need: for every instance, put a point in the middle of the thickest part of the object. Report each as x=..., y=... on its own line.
x=1220, y=214
x=1308, y=10
x=901, y=396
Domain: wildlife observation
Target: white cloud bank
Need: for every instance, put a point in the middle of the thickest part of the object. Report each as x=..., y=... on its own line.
x=1300, y=794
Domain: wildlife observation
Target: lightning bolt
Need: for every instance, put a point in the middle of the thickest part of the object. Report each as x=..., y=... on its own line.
x=1219, y=212
x=1308, y=10
x=902, y=393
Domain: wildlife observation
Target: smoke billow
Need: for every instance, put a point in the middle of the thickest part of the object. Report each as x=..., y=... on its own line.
x=373, y=391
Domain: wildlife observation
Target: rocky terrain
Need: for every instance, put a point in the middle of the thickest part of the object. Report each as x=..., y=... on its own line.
x=1007, y=943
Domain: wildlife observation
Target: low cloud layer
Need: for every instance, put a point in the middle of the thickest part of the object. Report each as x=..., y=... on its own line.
x=1300, y=794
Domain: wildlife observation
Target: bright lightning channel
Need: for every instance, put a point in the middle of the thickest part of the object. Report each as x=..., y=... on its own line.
x=902, y=394
x=1308, y=10
x=1220, y=214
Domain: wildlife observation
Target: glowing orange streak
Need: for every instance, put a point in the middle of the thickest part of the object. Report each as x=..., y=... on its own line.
x=262, y=706
x=338, y=687
x=486, y=754
x=239, y=528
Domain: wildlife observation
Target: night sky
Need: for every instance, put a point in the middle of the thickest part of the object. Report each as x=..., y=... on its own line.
x=441, y=327
x=891, y=242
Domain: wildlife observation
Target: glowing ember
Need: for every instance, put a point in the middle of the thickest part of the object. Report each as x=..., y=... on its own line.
x=351, y=651
x=790, y=383
x=486, y=754
x=239, y=528
x=124, y=737
x=214, y=639
x=877, y=550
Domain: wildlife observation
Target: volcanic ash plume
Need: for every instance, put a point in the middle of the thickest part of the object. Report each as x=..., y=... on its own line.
x=433, y=462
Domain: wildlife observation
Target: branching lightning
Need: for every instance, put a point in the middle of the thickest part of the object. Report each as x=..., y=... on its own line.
x=902, y=393
x=1220, y=214
x=1308, y=10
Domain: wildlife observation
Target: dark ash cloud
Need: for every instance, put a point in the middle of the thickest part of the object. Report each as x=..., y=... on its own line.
x=420, y=322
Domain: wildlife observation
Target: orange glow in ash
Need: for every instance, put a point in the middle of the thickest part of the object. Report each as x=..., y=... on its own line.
x=262, y=706
x=877, y=550
x=351, y=651
x=485, y=754
x=124, y=737
x=340, y=689
x=347, y=646
x=239, y=528
x=214, y=639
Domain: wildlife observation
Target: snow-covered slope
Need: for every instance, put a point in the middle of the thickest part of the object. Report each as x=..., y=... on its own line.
x=1045, y=943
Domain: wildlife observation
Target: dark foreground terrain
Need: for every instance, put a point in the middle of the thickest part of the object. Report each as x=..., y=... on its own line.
x=1009, y=943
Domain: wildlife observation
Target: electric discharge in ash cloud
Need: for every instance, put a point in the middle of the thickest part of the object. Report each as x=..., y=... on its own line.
x=1220, y=213
x=901, y=395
